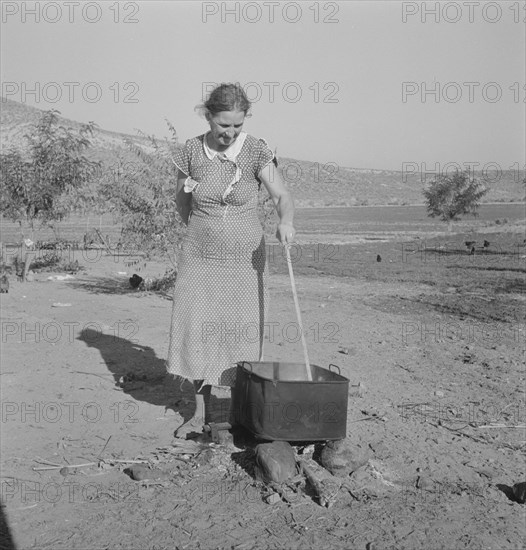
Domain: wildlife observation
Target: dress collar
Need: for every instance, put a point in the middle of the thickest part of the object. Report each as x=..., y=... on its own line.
x=230, y=153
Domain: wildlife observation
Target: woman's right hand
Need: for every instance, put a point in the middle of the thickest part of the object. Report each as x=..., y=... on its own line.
x=285, y=233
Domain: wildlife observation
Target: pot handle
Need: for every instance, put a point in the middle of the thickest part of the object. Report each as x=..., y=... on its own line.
x=336, y=366
x=242, y=364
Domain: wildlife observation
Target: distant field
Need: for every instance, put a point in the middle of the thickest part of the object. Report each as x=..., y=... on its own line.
x=354, y=220
x=412, y=249
x=313, y=221
x=489, y=285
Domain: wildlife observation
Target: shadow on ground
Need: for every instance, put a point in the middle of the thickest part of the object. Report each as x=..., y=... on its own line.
x=140, y=373
x=103, y=285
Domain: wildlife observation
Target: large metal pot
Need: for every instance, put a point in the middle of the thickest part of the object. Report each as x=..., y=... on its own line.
x=276, y=402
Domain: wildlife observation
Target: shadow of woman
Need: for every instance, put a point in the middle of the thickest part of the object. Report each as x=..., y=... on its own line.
x=141, y=374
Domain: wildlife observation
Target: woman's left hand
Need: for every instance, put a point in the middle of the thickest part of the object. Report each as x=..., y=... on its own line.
x=285, y=233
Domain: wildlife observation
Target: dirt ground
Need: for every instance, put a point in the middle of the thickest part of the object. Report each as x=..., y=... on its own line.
x=441, y=423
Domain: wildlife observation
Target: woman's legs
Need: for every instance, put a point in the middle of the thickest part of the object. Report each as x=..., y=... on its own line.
x=198, y=420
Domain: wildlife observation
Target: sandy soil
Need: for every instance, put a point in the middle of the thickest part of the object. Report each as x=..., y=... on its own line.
x=441, y=423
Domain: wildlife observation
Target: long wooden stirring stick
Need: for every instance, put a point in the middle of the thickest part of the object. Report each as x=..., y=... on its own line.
x=298, y=315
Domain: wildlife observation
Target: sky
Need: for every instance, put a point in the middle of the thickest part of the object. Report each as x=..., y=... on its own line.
x=385, y=85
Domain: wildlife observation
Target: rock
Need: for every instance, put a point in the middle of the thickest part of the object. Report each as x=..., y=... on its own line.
x=274, y=498
x=370, y=481
x=439, y=393
x=381, y=450
x=275, y=462
x=342, y=460
x=424, y=482
x=142, y=473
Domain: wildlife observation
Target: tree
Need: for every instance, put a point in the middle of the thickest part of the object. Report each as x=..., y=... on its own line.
x=140, y=188
x=44, y=180
x=450, y=196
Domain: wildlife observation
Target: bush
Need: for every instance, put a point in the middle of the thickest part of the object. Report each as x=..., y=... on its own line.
x=451, y=196
x=45, y=180
x=60, y=244
x=54, y=261
x=143, y=199
x=164, y=283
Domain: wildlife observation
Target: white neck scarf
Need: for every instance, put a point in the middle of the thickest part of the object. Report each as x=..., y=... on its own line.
x=229, y=155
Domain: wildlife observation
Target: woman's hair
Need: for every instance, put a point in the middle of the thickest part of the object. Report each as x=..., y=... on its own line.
x=225, y=97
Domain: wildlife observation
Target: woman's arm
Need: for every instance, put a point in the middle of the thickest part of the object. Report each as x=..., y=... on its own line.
x=183, y=200
x=283, y=202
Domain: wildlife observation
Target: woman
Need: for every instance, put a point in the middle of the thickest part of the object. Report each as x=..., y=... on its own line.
x=220, y=295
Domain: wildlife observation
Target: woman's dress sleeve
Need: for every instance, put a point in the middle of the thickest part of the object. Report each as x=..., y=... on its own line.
x=181, y=158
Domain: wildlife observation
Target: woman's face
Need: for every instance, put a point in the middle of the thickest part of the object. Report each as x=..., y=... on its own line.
x=224, y=128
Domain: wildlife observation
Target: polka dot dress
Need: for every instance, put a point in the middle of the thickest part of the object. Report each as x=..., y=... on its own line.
x=220, y=295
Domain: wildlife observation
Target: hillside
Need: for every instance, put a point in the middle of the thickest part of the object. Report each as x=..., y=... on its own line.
x=17, y=118
x=312, y=183
x=342, y=186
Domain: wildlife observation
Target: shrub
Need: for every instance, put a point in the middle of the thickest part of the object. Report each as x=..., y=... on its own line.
x=451, y=196
x=142, y=196
x=44, y=181
x=54, y=261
